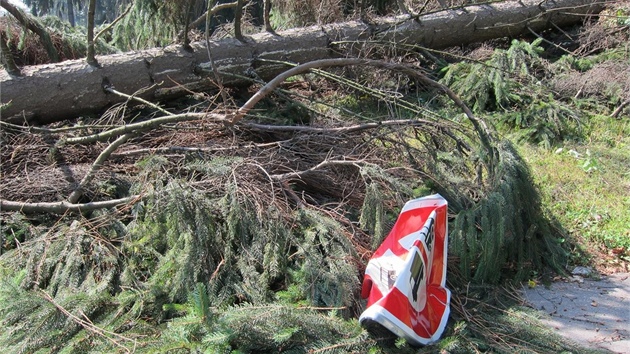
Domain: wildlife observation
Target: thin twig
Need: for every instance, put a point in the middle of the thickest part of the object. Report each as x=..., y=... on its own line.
x=141, y=100
x=213, y=10
x=116, y=20
x=186, y=149
x=33, y=129
x=325, y=163
x=548, y=41
x=340, y=130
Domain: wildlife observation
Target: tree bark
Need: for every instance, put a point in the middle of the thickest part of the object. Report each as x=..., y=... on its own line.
x=47, y=93
x=91, y=52
x=63, y=207
x=70, y=11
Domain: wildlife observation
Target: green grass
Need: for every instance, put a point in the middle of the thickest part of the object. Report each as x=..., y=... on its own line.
x=586, y=185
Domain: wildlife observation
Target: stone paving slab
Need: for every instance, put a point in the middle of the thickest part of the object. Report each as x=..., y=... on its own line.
x=594, y=313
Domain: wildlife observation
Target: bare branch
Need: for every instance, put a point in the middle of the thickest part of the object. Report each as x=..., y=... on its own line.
x=141, y=126
x=340, y=130
x=325, y=163
x=63, y=206
x=116, y=20
x=189, y=150
x=141, y=100
x=273, y=84
x=618, y=110
x=78, y=192
x=212, y=11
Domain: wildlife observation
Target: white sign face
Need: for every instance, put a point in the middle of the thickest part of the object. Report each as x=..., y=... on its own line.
x=405, y=280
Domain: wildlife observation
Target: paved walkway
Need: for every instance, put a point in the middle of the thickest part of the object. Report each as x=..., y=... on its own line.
x=594, y=313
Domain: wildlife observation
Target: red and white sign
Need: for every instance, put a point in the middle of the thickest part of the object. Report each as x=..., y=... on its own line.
x=405, y=280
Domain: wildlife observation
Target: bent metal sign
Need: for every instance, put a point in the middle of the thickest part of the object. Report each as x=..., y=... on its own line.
x=405, y=280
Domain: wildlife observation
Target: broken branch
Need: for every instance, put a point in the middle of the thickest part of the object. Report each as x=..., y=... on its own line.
x=64, y=206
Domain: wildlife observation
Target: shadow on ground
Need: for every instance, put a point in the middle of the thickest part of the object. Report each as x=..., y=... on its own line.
x=592, y=312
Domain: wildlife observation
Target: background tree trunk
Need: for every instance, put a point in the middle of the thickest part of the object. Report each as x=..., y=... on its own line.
x=70, y=11
x=91, y=60
x=47, y=93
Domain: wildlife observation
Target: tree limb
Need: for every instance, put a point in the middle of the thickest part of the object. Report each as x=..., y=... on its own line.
x=34, y=26
x=339, y=130
x=618, y=110
x=325, y=163
x=7, y=57
x=113, y=23
x=78, y=192
x=141, y=100
x=141, y=126
x=64, y=206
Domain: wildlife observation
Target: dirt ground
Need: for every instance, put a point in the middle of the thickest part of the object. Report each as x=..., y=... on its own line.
x=591, y=309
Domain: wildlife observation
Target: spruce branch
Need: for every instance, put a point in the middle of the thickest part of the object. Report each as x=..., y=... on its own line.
x=87, y=324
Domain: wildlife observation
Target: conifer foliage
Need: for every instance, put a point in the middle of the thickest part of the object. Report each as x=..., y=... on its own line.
x=254, y=237
x=261, y=246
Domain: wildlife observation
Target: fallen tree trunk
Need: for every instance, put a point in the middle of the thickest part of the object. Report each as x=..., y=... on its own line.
x=52, y=92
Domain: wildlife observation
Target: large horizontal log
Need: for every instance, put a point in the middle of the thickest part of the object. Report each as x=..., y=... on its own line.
x=51, y=92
